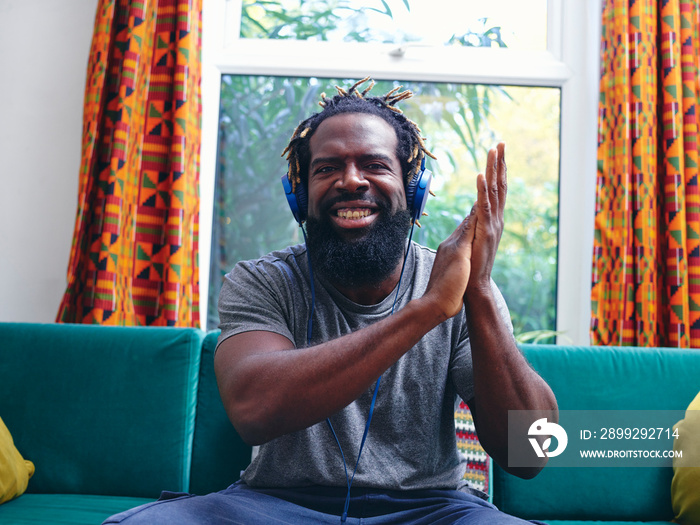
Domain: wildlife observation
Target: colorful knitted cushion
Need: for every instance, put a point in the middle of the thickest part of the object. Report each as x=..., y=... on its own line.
x=478, y=462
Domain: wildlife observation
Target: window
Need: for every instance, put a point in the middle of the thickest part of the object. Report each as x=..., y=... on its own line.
x=525, y=85
x=523, y=25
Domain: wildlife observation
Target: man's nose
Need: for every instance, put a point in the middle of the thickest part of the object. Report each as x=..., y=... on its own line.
x=352, y=180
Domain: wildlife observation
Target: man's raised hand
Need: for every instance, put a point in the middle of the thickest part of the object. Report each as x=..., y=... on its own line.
x=490, y=204
x=451, y=269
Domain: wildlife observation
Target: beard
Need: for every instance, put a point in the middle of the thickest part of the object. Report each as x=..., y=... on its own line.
x=369, y=260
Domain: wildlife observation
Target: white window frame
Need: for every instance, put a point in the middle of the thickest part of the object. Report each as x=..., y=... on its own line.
x=570, y=62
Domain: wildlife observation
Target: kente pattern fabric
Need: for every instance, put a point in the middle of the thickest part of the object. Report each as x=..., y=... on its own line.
x=134, y=254
x=646, y=254
x=476, y=473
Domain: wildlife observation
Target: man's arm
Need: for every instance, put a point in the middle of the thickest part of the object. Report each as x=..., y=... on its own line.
x=269, y=388
x=503, y=380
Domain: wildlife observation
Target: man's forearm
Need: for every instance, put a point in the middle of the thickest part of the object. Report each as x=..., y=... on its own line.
x=503, y=379
x=272, y=393
x=270, y=389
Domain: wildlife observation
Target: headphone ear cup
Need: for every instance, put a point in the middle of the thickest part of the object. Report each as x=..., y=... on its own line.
x=298, y=202
x=302, y=201
x=417, y=193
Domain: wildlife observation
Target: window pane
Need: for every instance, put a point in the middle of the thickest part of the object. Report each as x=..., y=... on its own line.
x=499, y=23
x=460, y=121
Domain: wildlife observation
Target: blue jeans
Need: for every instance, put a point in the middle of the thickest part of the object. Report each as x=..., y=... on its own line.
x=244, y=505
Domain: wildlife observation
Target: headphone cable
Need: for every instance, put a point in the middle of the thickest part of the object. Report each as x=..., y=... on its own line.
x=349, y=480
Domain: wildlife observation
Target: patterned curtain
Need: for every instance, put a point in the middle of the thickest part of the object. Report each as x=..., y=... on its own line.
x=134, y=254
x=646, y=260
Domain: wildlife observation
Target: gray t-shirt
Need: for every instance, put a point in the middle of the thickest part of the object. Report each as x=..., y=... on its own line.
x=411, y=442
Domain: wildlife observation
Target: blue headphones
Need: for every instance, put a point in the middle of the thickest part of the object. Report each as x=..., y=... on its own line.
x=416, y=195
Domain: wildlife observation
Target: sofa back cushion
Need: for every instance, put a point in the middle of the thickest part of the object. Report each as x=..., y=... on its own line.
x=101, y=410
x=218, y=454
x=603, y=378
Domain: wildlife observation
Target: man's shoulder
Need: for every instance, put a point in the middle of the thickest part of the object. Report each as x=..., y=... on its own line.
x=290, y=255
x=423, y=250
x=422, y=254
x=289, y=264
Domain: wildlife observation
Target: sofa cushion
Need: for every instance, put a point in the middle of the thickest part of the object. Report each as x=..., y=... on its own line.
x=477, y=473
x=69, y=509
x=15, y=471
x=101, y=410
x=218, y=453
x=685, y=487
x=603, y=378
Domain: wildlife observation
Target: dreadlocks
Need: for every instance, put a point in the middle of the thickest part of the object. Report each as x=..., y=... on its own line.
x=411, y=148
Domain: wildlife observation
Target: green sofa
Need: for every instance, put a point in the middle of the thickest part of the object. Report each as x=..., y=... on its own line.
x=110, y=416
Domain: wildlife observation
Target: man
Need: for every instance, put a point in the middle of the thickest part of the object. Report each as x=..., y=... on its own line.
x=307, y=332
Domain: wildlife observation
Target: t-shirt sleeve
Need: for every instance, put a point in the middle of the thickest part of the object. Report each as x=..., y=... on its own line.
x=252, y=298
x=461, y=368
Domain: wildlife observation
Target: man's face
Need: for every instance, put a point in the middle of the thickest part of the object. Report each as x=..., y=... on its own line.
x=357, y=218
x=354, y=172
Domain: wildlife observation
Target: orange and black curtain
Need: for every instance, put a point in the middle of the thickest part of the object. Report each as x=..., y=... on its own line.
x=646, y=260
x=134, y=254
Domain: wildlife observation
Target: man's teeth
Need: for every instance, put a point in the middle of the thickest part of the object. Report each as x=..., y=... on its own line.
x=353, y=214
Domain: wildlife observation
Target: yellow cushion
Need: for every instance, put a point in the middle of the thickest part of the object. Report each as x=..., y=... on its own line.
x=685, y=487
x=15, y=471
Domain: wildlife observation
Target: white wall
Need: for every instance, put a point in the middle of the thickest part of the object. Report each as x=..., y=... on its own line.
x=44, y=48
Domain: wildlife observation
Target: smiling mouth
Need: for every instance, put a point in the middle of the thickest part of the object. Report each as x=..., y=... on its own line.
x=354, y=213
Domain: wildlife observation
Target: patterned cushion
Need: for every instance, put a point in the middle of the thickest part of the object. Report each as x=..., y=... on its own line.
x=478, y=461
x=15, y=471
x=685, y=487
